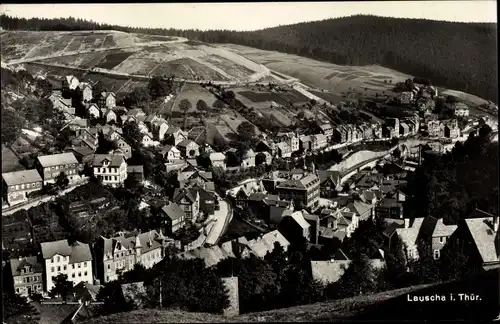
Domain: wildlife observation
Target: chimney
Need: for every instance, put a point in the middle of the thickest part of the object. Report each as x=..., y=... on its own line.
x=407, y=223
x=495, y=224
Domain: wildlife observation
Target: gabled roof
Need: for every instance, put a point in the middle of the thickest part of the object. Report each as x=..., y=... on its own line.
x=410, y=235
x=169, y=148
x=135, y=112
x=21, y=177
x=189, y=193
x=484, y=238
x=31, y=261
x=325, y=175
x=217, y=156
x=115, y=160
x=173, y=211
x=186, y=142
x=283, y=146
x=359, y=207
x=299, y=219
x=443, y=230
x=77, y=252
x=57, y=159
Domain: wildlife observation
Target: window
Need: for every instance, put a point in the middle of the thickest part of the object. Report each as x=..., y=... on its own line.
x=51, y=269
x=65, y=267
x=436, y=254
x=57, y=259
x=73, y=266
x=58, y=268
x=85, y=273
x=35, y=278
x=79, y=274
x=442, y=239
x=107, y=278
x=116, y=178
x=109, y=266
x=79, y=265
x=85, y=264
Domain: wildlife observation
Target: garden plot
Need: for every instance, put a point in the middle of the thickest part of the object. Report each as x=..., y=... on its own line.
x=193, y=93
x=92, y=41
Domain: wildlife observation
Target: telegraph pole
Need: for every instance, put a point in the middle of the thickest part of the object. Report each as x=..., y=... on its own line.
x=160, y=295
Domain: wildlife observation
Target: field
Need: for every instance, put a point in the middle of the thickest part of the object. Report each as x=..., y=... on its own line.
x=10, y=161
x=111, y=60
x=189, y=69
x=193, y=93
x=333, y=77
x=235, y=70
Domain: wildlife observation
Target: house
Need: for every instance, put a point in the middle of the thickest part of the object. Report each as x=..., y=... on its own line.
x=404, y=129
x=83, y=154
x=264, y=244
x=326, y=129
x=189, y=201
x=248, y=159
x=61, y=104
x=124, y=147
x=147, y=140
x=305, y=143
x=291, y=139
x=50, y=166
x=107, y=99
x=27, y=275
x=461, y=110
x=266, y=146
x=85, y=89
x=188, y=178
x=409, y=236
x=218, y=160
x=188, y=148
x=340, y=134
x=294, y=227
x=78, y=123
x=93, y=110
x=174, y=135
x=436, y=233
x=477, y=237
x=362, y=210
x=170, y=153
x=110, y=116
x=73, y=260
x=284, y=150
x=159, y=128
x=451, y=129
x=329, y=182
x=175, y=217
x=208, y=200
x=435, y=128
x=136, y=171
x=318, y=141
x=70, y=82
x=303, y=192
x=211, y=256
x=406, y=97
x=17, y=185
x=121, y=253
x=111, y=168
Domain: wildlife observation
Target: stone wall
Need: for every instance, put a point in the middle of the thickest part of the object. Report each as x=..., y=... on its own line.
x=231, y=284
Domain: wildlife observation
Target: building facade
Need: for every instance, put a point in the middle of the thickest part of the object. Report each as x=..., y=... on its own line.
x=111, y=168
x=50, y=166
x=27, y=275
x=17, y=185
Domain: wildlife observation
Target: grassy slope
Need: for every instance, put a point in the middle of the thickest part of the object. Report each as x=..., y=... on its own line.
x=389, y=305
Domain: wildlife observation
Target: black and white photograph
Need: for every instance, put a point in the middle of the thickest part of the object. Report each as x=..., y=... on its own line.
x=249, y=162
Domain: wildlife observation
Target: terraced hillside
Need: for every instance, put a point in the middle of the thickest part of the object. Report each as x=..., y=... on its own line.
x=129, y=54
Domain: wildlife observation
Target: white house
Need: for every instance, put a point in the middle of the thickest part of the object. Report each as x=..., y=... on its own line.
x=93, y=110
x=111, y=168
x=74, y=260
x=110, y=115
x=147, y=140
x=171, y=153
x=70, y=82
x=86, y=90
x=218, y=160
x=248, y=159
x=108, y=100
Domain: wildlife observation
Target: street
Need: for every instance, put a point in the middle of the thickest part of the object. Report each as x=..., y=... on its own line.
x=222, y=218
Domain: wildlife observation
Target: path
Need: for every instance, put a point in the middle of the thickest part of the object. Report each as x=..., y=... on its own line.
x=222, y=218
x=35, y=202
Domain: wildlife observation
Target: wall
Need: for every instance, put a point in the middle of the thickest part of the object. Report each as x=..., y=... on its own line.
x=231, y=283
x=356, y=158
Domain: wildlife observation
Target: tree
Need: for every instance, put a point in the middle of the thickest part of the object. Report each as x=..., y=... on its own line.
x=358, y=278
x=201, y=105
x=138, y=274
x=62, y=181
x=185, y=105
x=113, y=300
x=17, y=310
x=159, y=87
x=62, y=286
x=246, y=131
x=132, y=133
x=104, y=146
x=218, y=104
x=12, y=124
x=260, y=158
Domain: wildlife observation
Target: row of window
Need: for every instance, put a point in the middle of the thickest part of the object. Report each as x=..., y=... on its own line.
x=26, y=280
x=28, y=185
x=63, y=166
x=79, y=274
x=103, y=170
x=110, y=178
x=54, y=175
x=23, y=289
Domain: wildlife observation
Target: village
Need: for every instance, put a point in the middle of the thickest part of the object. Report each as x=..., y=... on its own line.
x=287, y=186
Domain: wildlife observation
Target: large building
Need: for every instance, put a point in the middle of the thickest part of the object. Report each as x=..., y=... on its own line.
x=17, y=185
x=304, y=192
x=121, y=253
x=27, y=275
x=73, y=260
x=50, y=166
x=111, y=168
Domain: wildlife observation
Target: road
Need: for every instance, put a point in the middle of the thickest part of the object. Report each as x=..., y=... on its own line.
x=40, y=200
x=222, y=218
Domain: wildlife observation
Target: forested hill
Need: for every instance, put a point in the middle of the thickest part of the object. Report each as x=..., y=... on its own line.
x=461, y=56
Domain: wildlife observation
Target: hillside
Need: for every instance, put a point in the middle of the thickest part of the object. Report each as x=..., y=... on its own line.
x=389, y=305
x=460, y=56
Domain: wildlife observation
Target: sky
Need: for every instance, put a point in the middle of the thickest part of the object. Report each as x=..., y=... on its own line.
x=252, y=16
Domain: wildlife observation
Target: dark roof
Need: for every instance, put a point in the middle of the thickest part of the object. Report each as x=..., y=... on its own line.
x=324, y=175
x=115, y=160
x=340, y=255
x=427, y=228
x=77, y=252
x=189, y=193
x=31, y=261
x=173, y=211
x=135, y=169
